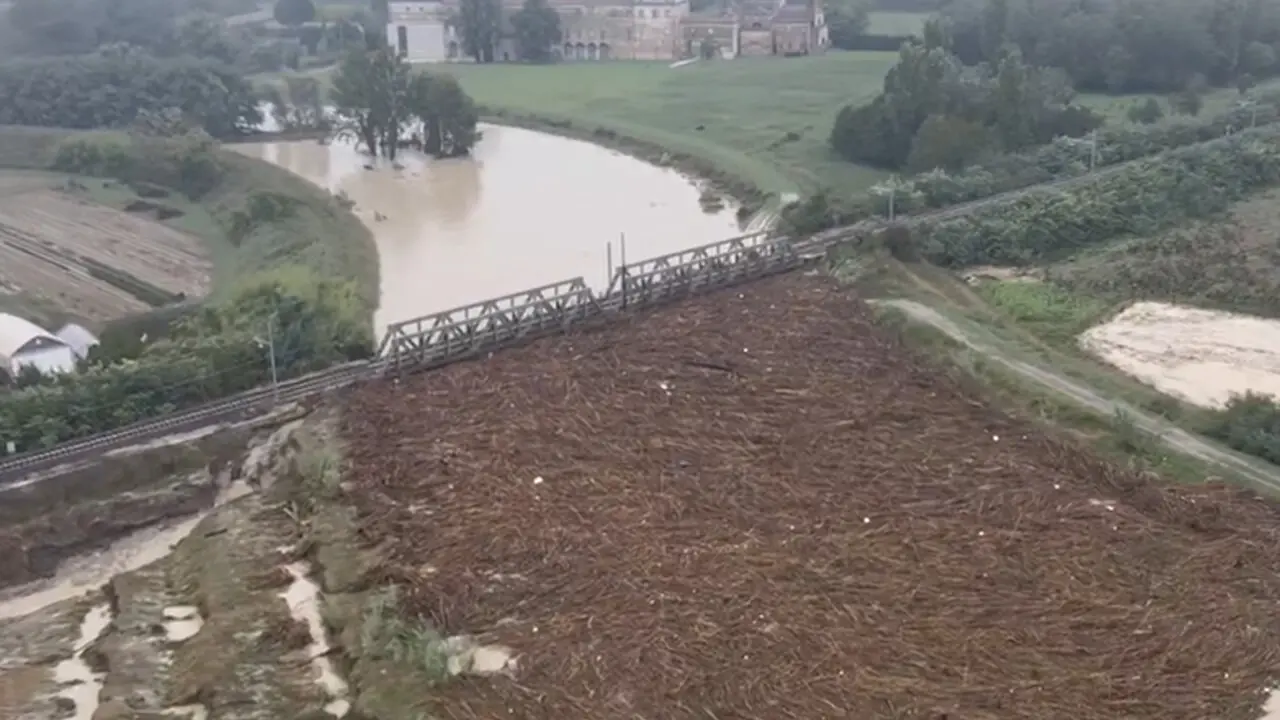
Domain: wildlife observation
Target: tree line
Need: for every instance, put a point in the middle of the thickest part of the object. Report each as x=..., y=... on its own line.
x=109, y=89
x=936, y=112
x=1125, y=46
x=1142, y=199
x=1000, y=173
x=482, y=25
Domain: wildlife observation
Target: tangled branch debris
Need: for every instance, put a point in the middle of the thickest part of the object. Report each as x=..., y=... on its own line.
x=832, y=530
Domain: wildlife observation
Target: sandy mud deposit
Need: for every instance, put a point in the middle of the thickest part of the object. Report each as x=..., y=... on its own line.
x=754, y=505
x=1201, y=356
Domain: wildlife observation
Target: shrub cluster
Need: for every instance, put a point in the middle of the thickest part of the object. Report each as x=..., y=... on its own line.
x=1250, y=424
x=221, y=350
x=1140, y=199
x=1060, y=160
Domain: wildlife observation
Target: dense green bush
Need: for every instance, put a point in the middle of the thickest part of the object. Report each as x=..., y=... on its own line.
x=1138, y=200
x=190, y=164
x=1062, y=159
x=219, y=351
x=1250, y=424
x=109, y=90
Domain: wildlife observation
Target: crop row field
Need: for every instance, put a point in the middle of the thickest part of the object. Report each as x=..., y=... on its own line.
x=93, y=262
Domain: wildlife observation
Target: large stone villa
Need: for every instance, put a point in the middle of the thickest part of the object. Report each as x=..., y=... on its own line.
x=620, y=30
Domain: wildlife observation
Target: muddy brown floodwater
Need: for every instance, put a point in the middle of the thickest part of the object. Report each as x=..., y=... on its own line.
x=526, y=210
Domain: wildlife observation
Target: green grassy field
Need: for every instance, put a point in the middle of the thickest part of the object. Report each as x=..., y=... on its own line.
x=895, y=23
x=763, y=119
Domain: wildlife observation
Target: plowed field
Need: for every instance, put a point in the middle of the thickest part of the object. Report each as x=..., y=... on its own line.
x=53, y=245
x=754, y=505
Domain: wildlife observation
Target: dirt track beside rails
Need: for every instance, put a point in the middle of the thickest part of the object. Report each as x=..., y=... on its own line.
x=754, y=505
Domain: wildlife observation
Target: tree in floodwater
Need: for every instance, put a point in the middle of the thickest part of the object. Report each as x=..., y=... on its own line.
x=445, y=115
x=370, y=96
x=378, y=100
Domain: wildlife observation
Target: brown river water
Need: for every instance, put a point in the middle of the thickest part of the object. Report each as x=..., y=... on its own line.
x=527, y=209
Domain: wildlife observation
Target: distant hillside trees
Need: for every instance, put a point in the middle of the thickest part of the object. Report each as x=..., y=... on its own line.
x=1125, y=45
x=935, y=112
x=293, y=13
x=166, y=28
x=110, y=89
x=378, y=100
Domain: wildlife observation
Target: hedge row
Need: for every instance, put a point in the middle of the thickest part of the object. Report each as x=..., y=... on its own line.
x=1060, y=160
x=1141, y=199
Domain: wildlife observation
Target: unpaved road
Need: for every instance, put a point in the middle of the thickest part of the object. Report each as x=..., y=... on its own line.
x=1262, y=474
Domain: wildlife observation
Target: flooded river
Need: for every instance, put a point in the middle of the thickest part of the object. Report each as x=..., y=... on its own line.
x=527, y=209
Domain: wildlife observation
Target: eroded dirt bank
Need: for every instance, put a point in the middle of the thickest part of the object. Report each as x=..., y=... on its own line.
x=66, y=512
x=259, y=611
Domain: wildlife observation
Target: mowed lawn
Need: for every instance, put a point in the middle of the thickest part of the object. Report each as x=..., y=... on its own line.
x=763, y=119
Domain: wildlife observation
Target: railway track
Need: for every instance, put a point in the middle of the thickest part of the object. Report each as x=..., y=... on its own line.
x=261, y=400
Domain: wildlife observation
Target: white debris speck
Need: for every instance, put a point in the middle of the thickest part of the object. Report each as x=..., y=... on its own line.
x=538, y=480
x=1056, y=486
x=981, y=533
x=995, y=438
x=745, y=350
x=866, y=520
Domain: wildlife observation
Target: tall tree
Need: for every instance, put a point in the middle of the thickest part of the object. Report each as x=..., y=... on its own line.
x=371, y=99
x=537, y=29
x=480, y=25
x=446, y=116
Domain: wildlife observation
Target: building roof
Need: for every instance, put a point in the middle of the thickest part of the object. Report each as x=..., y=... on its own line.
x=79, y=338
x=16, y=333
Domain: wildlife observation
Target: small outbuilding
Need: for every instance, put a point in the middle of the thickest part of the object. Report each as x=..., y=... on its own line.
x=22, y=343
x=78, y=338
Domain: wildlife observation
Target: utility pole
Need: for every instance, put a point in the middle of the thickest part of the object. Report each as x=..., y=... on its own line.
x=1093, y=150
x=893, y=196
x=271, y=350
x=270, y=345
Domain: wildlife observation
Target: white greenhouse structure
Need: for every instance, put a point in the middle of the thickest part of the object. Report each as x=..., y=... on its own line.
x=22, y=342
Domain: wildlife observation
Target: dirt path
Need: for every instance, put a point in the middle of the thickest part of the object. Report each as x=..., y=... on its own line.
x=1262, y=474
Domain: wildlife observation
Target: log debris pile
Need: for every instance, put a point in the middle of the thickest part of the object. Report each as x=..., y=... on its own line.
x=756, y=505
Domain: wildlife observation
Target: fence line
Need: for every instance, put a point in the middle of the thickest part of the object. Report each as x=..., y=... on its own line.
x=463, y=332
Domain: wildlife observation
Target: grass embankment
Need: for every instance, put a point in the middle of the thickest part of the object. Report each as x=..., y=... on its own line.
x=318, y=233
x=1037, y=312
x=1019, y=324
